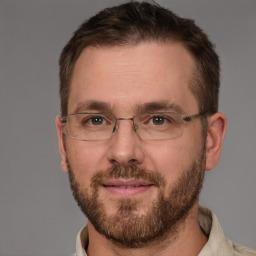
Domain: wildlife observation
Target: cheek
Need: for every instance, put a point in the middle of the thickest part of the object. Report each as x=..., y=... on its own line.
x=172, y=158
x=85, y=158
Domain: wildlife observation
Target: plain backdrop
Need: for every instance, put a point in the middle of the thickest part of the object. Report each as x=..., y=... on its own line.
x=38, y=216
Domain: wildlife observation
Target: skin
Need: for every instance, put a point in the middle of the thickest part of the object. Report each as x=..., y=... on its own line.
x=123, y=77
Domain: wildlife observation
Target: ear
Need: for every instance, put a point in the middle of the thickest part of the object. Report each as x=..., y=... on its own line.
x=62, y=148
x=217, y=124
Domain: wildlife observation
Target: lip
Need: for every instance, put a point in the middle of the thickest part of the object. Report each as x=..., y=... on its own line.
x=127, y=188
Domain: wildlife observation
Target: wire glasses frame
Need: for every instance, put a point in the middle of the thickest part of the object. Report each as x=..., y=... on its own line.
x=149, y=126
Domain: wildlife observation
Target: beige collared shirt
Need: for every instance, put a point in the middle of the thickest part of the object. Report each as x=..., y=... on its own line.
x=217, y=245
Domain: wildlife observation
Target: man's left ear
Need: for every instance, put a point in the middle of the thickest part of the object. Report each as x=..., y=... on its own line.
x=217, y=124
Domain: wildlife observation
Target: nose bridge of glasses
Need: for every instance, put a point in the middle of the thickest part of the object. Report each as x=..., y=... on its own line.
x=124, y=119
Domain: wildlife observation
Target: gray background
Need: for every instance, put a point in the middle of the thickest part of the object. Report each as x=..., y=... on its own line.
x=38, y=216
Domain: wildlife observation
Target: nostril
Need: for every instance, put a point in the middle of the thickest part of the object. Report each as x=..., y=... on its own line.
x=113, y=161
x=133, y=161
x=128, y=163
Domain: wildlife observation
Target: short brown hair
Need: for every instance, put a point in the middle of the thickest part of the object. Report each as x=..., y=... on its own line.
x=135, y=22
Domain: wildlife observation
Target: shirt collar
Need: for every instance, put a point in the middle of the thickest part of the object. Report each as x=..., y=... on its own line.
x=82, y=241
x=217, y=243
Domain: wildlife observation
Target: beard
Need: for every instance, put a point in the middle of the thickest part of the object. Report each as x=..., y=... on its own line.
x=126, y=228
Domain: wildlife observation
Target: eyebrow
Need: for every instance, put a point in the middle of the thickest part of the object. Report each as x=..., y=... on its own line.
x=104, y=107
x=93, y=106
x=158, y=106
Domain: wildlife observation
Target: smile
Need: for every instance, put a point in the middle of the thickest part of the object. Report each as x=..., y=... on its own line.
x=126, y=188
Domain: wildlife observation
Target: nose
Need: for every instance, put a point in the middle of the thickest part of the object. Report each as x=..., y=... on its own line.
x=125, y=145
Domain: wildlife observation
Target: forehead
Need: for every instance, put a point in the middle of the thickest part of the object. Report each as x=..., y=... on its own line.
x=124, y=76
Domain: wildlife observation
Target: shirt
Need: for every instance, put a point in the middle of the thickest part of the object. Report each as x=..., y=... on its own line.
x=217, y=244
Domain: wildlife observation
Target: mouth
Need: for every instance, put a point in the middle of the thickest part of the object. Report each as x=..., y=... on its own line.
x=127, y=188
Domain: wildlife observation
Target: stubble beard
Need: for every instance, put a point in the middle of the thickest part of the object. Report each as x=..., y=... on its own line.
x=164, y=215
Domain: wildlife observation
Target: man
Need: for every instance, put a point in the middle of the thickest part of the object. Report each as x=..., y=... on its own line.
x=139, y=127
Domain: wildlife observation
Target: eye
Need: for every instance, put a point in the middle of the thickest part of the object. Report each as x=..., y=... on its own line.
x=94, y=121
x=154, y=119
x=159, y=120
x=97, y=120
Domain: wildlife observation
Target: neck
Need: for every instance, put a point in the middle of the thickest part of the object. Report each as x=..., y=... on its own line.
x=187, y=241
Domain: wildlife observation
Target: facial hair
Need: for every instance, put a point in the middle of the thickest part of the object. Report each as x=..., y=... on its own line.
x=126, y=228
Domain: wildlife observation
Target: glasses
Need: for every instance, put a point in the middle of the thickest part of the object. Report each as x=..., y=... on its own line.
x=148, y=126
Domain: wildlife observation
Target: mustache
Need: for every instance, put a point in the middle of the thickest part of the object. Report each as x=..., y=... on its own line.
x=127, y=172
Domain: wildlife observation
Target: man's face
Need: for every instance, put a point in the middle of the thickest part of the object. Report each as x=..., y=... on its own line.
x=135, y=190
